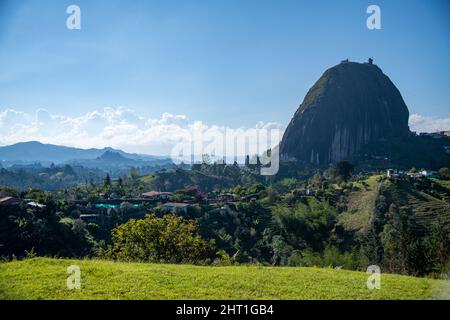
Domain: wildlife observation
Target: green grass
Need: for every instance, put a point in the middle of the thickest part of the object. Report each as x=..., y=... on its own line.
x=360, y=206
x=427, y=208
x=442, y=183
x=44, y=278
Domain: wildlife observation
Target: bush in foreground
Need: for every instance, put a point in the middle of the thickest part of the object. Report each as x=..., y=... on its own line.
x=169, y=239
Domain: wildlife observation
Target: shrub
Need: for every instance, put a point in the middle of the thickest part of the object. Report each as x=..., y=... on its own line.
x=169, y=239
x=330, y=257
x=444, y=173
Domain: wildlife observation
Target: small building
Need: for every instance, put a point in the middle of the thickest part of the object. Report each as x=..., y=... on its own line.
x=429, y=173
x=227, y=197
x=9, y=201
x=305, y=192
x=414, y=175
x=390, y=173
x=436, y=135
x=157, y=195
x=442, y=134
x=35, y=205
x=394, y=173
x=114, y=196
x=172, y=206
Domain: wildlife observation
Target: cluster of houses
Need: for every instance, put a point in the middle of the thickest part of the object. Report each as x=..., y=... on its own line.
x=166, y=196
x=395, y=173
x=437, y=135
x=12, y=201
x=222, y=198
x=164, y=200
x=157, y=195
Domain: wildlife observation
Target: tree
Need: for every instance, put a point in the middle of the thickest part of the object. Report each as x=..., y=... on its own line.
x=169, y=239
x=134, y=173
x=344, y=169
x=305, y=225
x=281, y=251
x=444, y=173
x=394, y=242
x=317, y=181
x=413, y=170
x=247, y=160
x=403, y=251
x=438, y=247
x=107, y=181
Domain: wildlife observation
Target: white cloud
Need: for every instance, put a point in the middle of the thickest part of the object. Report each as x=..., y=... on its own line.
x=125, y=129
x=115, y=127
x=419, y=123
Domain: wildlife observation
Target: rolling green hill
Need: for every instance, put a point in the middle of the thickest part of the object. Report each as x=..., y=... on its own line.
x=428, y=200
x=44, y=278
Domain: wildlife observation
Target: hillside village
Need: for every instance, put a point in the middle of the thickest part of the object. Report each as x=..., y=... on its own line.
x=247, y=217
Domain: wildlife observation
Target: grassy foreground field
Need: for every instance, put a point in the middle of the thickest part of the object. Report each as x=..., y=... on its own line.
x=43, y=278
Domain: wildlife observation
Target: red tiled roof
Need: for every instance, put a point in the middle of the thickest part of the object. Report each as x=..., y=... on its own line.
x=156, y=193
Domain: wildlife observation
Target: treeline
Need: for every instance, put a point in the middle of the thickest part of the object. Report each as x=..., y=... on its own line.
x=48, y=178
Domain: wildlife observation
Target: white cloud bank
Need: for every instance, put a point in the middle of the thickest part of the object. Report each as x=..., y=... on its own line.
x=419, y=123
x=125, y=129
x=120, y=128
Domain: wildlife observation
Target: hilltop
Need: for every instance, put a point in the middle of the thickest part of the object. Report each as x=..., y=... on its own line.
x=350, y=106
x=355, y=112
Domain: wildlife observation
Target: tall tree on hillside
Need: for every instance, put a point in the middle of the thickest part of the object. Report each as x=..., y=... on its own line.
x=444, y=173
x=438, y=247
x=344, y=169
x=247, y=160
x=107, y=181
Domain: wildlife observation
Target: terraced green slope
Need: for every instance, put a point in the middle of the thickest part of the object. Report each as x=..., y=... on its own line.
x=427, y=200
x=428, y=204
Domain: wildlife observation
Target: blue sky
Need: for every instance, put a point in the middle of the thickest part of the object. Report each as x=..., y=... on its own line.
x=223, y=62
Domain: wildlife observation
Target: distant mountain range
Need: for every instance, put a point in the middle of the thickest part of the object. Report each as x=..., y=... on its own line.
x=52, y=167
x=113, y=160
x=33, y=151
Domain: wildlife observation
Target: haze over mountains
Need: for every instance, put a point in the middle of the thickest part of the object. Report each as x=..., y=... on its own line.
x=51, y=167
x=33, y=151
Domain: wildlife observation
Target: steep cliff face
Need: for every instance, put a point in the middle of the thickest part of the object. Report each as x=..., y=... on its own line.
x=350, y=106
